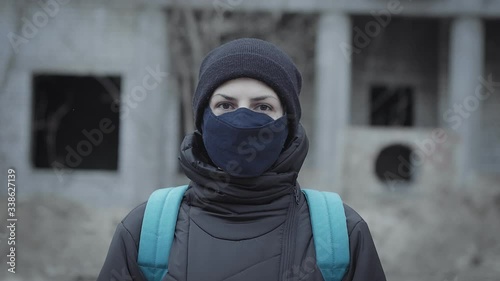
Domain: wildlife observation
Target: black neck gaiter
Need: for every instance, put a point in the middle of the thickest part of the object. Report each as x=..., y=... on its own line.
x=240, y=203
x=214, y=186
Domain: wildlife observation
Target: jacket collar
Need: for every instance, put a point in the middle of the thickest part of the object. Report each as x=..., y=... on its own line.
x=211, y=186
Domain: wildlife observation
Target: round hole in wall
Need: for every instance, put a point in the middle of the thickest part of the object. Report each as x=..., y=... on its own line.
x=393, y=165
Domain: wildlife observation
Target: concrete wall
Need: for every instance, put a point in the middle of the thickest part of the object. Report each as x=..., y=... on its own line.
x=428, y=8
x=66, y=217
x=434, y=151
x=490, y=108
x=438, y=227
x=403, y=53
x=57, y=214
x=84, y=38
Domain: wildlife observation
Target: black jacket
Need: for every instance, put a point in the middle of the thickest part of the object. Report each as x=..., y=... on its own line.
x=241, y=229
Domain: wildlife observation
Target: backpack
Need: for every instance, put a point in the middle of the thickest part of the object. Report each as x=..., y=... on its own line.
x=328, y=222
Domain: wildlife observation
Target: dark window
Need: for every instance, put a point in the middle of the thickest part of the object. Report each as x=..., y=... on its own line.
x=391, y=106
x=75, y=121
x=394, y=165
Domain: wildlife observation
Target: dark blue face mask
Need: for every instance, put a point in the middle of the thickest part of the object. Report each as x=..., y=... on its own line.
x=243, y=143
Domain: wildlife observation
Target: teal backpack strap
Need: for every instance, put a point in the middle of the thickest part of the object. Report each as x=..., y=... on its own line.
x=157, y=233
x=329, y=228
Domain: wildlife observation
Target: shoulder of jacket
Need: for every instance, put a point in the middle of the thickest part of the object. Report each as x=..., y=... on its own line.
x=353, y=218
x=133, y=222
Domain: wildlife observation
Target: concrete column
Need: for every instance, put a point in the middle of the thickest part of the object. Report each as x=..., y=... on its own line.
x=466, y=62
x=333, y=81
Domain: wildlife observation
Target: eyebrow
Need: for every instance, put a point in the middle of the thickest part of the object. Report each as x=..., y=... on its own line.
x=252, y=99
x=224, y=96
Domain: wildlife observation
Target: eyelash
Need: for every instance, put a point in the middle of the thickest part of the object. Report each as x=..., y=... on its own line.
x=221, y=104
x=269, y=108
x=231, y=106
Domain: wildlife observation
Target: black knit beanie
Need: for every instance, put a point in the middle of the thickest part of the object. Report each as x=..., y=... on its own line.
x=251, y=58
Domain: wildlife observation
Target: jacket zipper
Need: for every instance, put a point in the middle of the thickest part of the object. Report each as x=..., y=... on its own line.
x=290, y=235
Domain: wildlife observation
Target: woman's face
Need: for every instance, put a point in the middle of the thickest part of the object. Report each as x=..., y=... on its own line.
x=248, y=93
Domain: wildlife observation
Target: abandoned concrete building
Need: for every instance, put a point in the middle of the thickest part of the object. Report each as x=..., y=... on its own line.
x=401, y=105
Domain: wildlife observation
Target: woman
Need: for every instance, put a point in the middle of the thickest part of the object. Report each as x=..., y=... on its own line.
x=243, y=216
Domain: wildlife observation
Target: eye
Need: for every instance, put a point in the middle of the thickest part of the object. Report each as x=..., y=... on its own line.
x=224, y=105
x=264, y=107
